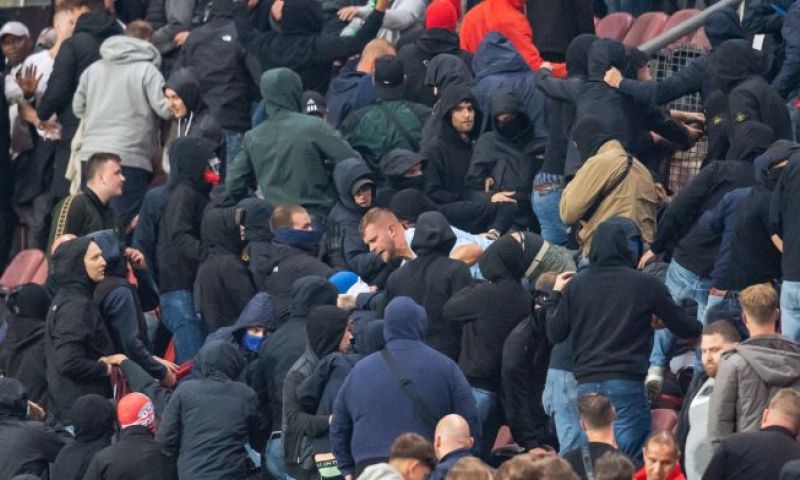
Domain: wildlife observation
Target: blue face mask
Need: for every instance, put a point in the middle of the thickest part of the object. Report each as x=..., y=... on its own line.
x=252, y=342
x=303, y=239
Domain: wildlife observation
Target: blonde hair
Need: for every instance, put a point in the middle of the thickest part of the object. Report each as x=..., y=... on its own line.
x=759, y=303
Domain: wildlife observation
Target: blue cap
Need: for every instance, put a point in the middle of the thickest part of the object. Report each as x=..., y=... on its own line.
x=343, y=280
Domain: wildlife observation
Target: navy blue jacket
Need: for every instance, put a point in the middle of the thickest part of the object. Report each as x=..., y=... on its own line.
x=721, y=221
x=447, y=462
x=350, y=91
x=361, y=428
x=788, y=78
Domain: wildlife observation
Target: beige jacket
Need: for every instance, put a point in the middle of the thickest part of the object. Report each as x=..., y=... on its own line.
x=634, y=198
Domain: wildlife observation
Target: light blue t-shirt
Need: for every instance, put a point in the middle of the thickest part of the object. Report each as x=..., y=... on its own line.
x=462, y=238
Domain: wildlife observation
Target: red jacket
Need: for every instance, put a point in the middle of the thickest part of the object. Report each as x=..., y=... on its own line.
x=675, y=475
x=507, y=18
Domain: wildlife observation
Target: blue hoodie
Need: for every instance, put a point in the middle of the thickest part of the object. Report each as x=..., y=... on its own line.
x=361, y=429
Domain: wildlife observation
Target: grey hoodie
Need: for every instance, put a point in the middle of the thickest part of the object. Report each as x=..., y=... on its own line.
x=119, y=98
x=380, y=471
x=748, y=375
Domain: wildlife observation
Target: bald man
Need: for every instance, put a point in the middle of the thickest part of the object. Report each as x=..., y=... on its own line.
x=452, y=442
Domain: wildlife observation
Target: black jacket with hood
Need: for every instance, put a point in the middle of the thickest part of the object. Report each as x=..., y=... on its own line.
x=223, y=285
x=22, y=351
x=288, y=343
x=94, y=421
x=431, y=280
x=214, y=52
x=416, y=59
x=784, y=220
x=609, y=328
x=256, y=229
x=75, y=335
x=198, y=121
x=488, y=312
x=325, y=329
x=134, y=456
x=209, y=420
x=695, y=248
x=344, y=220
x=301, y=45
x=26, y=447
x=180, y=250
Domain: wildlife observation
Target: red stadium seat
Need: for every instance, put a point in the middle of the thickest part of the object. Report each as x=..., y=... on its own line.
x=615, y=25
x=596, y=22
x=663, y=419
x=40, y=276
x=646, y=27
x=677, y=18
x=22, y=269
x=700, y=40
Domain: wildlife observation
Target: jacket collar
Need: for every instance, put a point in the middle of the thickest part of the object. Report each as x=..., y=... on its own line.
x=610, y=146
x=779, y=429
x=99, y=205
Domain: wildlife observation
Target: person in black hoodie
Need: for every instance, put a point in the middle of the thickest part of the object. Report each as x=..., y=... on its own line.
x=739, y=71
x=208, y=420
x=487, y=313
x=92, y=27
x=277, y=356
x=192, y=115
x=223, y=285
x=22, y=350
x=447, y=157
x=300, y=45
x=439, y=37
x=214, y=52
x=694, y=248
x=290, y=255
x=27, y=446
x=256, y=225
x=401, y=169
x=179, y=249
x=122, y=306
x=506, y=158
x=610, y=344
x=355, y=186
x=431, y=280
x=76, y=339
x=444, y=71
x=328, y=331
x=94, y=424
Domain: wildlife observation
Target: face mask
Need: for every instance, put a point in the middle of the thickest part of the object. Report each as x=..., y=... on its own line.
x=417, y=183
x=252, y=342
x=303, y=239
x=514, y=127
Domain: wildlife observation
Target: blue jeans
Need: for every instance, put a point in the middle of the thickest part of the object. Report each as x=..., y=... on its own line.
x=682, y=285
x=629, y=398
x=489, y=416
x=560, y=402
x=233, y=143
x=790, y=310
x=545, y=206
x=274, y=462
x=180, y=318
x=127, y=205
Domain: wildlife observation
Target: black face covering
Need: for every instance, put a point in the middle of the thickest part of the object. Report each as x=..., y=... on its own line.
x=515, y=127
x=417, y=183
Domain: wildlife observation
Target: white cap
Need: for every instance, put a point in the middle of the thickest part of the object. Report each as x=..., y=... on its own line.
x=15, y=28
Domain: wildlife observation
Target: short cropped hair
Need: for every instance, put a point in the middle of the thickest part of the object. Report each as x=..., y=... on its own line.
x=96, y=160
x=665, y=438
x=723, y=328
x=787, y=401
x=282, y=216
x=470, y=468
x=374, y=215
x=521, y=467
x=139, y=29
x=555, y=468
x=759, y=302
x=412, y=446
x=613, y=466
x=596, y=410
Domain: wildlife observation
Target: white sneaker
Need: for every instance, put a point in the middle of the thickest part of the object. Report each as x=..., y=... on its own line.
x=654, y=381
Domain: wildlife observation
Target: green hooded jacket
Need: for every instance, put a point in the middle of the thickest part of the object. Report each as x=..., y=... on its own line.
x=286, y=154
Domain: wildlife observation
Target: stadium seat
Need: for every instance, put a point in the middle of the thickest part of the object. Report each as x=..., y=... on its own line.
x=615, y=25
x=645, y=28
x=40, y=276
x=663, y=419
x=700, y=40
x=674, y=20
x=22, y=269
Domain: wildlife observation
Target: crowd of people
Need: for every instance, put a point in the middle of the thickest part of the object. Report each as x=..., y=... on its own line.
x=407, y=239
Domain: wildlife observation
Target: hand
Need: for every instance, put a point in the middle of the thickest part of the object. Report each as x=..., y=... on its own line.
x=661, y=193
x=694, y=133
x=562, y=280
x=115, y=359
x=656, y=323
x=501, y=197
x=491, y=235
x=251, y=4
x=28, y=81
x=180, y=38
x=169, y=379
x=658, y=139
x=547, y=66
x=347, y=13
x=648, y=258
x=688, y=117
x=381, y=5
x=613, y=77
x=170, y=366
x=488, y=184
x=136, y=258
x=28, y=113
x=35, y=412
x=715, y=292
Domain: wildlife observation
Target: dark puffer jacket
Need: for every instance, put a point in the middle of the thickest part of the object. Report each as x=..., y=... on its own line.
x=94, y=420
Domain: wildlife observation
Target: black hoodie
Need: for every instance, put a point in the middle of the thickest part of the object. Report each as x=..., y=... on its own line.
x=198, y=121
x=223, y=285
x=26, y=447
x=22, y=351
x=179, y=250
x=488, y=312
x=289, y=342
x=605, y=312
x=75, y=336
x=431, y=280
x=94, y=421
x=417, y=59
x=209, y=420
x=784, y=220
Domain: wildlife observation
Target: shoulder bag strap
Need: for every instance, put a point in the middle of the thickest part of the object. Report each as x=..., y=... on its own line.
x=615, y=182
x=408, y=388
x=587, y=462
